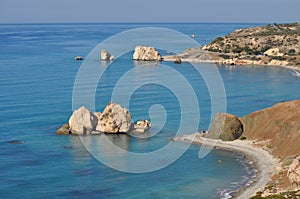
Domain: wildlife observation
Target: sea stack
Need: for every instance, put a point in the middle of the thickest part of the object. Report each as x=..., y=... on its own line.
x=145, y=53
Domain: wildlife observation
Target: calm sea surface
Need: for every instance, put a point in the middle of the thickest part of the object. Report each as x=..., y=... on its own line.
x=37, y=74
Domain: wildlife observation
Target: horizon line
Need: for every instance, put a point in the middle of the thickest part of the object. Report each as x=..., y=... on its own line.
x=24, y=23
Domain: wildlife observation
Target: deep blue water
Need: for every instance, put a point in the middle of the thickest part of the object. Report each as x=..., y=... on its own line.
x=37, y=74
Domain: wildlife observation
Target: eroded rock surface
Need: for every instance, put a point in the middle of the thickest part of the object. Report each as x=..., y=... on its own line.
x=145, y=53
x=226, y=127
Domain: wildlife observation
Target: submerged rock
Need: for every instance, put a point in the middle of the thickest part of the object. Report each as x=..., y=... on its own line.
x=226, y=127
x=145, y=53
x=82, y=121
x=15, y=142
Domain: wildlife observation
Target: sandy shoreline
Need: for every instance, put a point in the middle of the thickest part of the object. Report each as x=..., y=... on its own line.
x=263, y=161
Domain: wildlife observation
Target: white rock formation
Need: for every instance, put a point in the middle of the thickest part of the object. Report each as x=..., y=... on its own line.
x=106, y=56
x=294, y=173
x=82, y=121
x=114, y=119
x=141, y=126
x=273, y=52
x=145, y=53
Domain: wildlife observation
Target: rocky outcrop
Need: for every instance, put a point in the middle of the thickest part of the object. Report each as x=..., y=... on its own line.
x=82, y=121
x=64, y=130
x=106, y=56
x=78, y=58
x=141, y=126
x=226, y=127
x=280, y=125
x=273, y=52
x=294, y=173
x=145, y=53
x=114, y=119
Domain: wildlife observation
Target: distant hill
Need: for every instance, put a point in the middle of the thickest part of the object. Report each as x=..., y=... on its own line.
x=278, y=42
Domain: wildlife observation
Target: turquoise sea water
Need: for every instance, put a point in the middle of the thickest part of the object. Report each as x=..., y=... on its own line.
x=37, y=74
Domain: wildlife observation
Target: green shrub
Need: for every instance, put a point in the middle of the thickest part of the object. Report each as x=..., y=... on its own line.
x=218, y=39
x=243, y=138
x=292, y=52
x=280, y=58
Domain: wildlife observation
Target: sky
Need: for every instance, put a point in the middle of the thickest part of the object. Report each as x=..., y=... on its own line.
x=105, y=11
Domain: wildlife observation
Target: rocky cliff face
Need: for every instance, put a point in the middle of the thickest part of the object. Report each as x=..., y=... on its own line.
x=293, y=173
x=279, y=124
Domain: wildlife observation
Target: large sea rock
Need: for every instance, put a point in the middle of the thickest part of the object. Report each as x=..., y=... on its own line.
x=226, y=127
x=82, y=121
x=114, y=119
x=145, y=53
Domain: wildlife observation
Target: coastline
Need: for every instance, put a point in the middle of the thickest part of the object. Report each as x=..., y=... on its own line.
x=263, y=161
x=228, y=62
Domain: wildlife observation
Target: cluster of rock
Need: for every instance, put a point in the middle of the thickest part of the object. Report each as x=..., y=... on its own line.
x=145, y=53
x=113, y=119
x=141, y=53
x=106, y=56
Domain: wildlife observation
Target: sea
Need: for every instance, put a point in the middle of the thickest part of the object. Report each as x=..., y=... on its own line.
x=38, y=82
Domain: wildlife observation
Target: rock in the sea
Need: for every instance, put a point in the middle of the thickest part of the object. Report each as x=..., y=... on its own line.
x=64, y=130
x=226, y=127
x=141, y=126
x=294, y=173
x=106, y=56
x=114, y=119
x=82, y=121
x=145, y=53
x=78, y=58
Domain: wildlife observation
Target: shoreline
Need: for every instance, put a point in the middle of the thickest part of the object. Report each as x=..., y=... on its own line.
x=265, y=164
x=222, y=62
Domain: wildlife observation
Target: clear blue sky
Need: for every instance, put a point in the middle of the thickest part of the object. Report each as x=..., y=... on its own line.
x=19, y=11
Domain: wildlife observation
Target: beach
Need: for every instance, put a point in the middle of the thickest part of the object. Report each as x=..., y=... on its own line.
x=264, y=162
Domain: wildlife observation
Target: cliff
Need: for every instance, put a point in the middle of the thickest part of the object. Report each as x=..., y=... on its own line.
x=279, y=125
x=277, y=130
